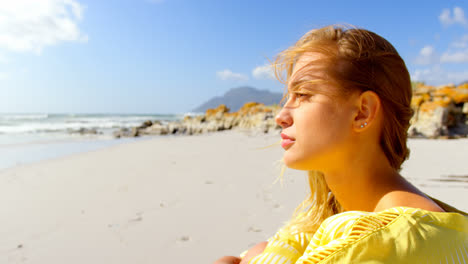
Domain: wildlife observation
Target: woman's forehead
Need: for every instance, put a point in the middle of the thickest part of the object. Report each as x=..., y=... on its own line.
x=308, y=67
x=307, y=58
x=308, y=70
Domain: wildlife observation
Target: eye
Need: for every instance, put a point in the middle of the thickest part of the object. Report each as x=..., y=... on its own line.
x=301, y=95
x=297, y=97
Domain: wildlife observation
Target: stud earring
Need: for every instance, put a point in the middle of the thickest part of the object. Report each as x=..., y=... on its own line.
x=365, y=124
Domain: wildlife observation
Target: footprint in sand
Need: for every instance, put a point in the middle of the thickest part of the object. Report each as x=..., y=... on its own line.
x=138, y=218
x=184, y=239
x=166, y=204
x=277, y=206
x=254, y=229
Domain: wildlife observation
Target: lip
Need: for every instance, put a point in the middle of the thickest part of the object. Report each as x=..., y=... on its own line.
x=284, y=136
x=287, y=141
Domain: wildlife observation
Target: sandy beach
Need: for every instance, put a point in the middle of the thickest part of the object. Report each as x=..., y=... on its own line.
x=181, y=199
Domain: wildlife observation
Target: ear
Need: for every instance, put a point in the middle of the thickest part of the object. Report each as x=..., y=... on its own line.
x=369, y=107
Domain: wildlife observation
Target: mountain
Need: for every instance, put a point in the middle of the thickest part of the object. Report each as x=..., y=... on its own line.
x=235, y=98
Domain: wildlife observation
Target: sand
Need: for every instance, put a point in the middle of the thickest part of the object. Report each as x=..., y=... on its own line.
x=185, y=199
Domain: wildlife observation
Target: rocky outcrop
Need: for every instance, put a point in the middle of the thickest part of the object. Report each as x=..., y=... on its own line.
x=84, y=131
x=251, y=116
x=440, y=112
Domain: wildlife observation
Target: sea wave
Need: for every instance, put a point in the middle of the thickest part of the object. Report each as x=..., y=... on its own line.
x=45, y=123
x=12, y=117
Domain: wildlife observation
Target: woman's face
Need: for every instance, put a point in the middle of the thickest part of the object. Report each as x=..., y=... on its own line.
x=316, y=126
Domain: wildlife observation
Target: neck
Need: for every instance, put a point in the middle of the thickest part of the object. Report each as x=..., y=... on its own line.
x=366, y=179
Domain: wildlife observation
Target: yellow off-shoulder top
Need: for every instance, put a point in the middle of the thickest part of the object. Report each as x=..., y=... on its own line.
x=395, y=235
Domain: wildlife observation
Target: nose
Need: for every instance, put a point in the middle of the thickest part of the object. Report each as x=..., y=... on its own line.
x=283, y=118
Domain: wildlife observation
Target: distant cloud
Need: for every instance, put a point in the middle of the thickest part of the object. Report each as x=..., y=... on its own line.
x=31, y=25
x=455, y=57
x=264, y=72
x=231, y=76
x=448, y=18
x=460, y=43
x=457, y=52
x=427, y=55
x=438, y=67
x=438, y=76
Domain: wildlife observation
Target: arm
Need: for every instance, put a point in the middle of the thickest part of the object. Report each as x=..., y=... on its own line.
x=254, y=251
x=228, y=260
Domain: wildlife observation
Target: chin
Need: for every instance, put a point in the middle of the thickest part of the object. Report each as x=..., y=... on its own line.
x=295, y=164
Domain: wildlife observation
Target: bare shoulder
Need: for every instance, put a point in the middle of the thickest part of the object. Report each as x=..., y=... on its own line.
x=408, y=199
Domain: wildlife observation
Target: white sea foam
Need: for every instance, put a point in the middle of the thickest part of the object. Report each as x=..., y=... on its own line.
x=29, y=137
x=53, y=124
x=13, y=117
x=192, y=114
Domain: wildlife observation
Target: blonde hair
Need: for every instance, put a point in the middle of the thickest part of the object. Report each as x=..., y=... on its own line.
x=352, y=60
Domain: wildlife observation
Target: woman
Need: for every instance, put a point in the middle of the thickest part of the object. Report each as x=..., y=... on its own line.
x=345, y=121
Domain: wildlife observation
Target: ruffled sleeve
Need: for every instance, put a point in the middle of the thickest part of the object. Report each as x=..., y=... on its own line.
x=396, y=235
x=283, y=248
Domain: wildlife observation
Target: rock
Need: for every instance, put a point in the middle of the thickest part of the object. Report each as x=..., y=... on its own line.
x=220, y=109
x=214, y=126
x=199, y=119
x=146, y=124
x=134, y=132
x=84, y=131
x=431, y=124
x=430, y=120
x=175, y=128
x=440, y=112
x=194, y=128
x=418, y=99
x=250, y=108
x=117, y=134
x=125, y=132
x=456, y=94
x=465, y=108
x=155, y=129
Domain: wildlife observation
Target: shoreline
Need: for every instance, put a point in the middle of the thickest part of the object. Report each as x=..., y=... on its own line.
x=24, y=153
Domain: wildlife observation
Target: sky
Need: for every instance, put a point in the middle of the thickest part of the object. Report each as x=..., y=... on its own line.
x=169, y=56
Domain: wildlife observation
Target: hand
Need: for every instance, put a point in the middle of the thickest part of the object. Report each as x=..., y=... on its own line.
x=228, y=260
x=254, y=251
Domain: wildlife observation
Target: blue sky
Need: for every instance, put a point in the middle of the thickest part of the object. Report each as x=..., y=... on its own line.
x=169, y=56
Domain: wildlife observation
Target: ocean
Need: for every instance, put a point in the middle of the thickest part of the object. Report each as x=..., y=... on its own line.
x=26, y=138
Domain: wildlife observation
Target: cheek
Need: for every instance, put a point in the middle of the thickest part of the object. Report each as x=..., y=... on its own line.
x=327, y=123
x=319, y=135
x=336, y=121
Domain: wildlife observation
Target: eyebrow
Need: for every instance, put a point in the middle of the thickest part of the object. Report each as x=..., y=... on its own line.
x=312, y=87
